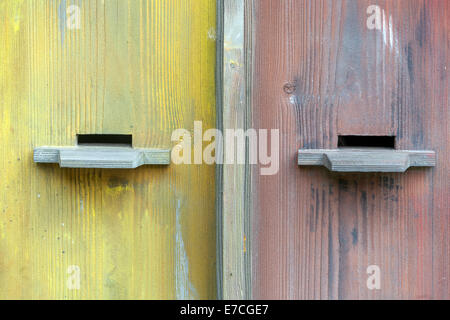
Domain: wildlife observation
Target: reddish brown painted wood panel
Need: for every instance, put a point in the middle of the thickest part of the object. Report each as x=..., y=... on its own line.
x=319, y=71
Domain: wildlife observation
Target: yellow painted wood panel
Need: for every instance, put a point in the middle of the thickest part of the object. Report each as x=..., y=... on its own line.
x=134, y=67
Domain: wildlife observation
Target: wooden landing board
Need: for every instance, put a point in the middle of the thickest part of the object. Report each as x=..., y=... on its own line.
x=101, y=157
x=366, y=159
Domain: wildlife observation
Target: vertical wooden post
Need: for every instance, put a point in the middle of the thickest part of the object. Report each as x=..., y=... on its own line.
x=234, y=205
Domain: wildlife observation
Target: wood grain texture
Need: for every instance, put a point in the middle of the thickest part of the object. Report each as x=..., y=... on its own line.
x=235, y=203
x=105, y=157
x=320, y=72
x=366, y=159
x=134, y=67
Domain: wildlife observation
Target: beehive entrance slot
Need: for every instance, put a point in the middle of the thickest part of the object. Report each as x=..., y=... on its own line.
x=366, y=141
x=105, y=140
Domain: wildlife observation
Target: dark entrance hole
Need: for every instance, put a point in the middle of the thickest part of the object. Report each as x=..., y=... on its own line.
x=367, y=141
x=105, y=139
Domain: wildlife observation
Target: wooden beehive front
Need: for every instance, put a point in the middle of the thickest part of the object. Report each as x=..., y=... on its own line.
x=143, y=68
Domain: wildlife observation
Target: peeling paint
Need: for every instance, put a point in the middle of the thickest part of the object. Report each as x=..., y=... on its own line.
x=62, y=19
x=184, y=288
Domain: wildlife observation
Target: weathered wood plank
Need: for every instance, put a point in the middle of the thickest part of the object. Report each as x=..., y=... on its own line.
x=235, y=202
x=322, y=69
x=366, y=160
x=101, y=157
x=141, y=67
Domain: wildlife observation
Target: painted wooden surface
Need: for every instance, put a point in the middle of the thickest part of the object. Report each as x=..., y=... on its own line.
x=321, y=69
x=133, y=67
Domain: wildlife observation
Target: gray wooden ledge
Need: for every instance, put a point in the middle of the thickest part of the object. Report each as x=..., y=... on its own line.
x=101, y=157
x=366, y=159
